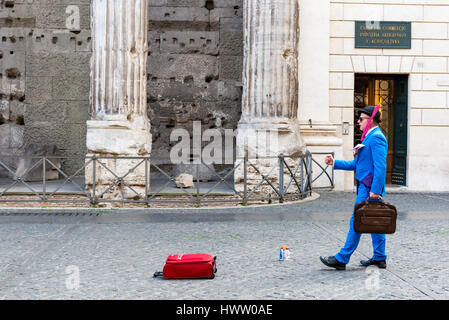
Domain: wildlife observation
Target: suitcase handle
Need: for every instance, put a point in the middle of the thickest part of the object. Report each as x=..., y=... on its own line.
x=158, y=274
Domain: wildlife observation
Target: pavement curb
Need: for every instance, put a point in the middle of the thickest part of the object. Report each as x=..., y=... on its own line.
x=242, y=209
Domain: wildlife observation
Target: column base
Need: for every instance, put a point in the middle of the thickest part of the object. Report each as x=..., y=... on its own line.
x=269, y=139
x=321, y=139
x=117, y=138
x=262, y=143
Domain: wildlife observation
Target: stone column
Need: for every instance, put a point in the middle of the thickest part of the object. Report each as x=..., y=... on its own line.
x=269, y=125
x=119, y=125
x=318, y=132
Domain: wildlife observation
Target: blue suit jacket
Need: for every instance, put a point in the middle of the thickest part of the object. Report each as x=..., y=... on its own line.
x=370, y=164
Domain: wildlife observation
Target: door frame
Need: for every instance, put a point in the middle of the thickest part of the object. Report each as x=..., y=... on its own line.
x=393, y=76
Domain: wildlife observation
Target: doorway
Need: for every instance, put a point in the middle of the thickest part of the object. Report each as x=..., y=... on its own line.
x=391, y=92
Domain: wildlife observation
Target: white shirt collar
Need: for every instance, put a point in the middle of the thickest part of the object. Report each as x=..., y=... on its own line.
x=371, y=130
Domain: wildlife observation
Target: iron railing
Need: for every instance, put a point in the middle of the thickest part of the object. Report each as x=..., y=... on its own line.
x=284, y=178
x=324, y=183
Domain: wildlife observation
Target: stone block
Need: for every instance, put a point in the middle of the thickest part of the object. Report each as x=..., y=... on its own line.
x=231, y=36
x=184, y=181
x=231, y=68
x=13, y=64
x=58, y=112
x=54, y=41
x=371, y=63
x=185, y=3
x=197, y=171
x=16, y=136
x=47, y=64
x=16, y=111
x=433, y=81
x=157, y=3
x=370, y=12
x=76, y=112
x=415, y=118
x=341, y=29
x=179, y=67
x=407, y=64
x=228, y=3
x=29, y=170
x=83, y=41
x=403, y=12
x=178, y=18
x=436, y=13
x=154, y=42
x=13, y=39
x=436, y=47
x=55, y=16
x=395, y=64
x=21, y=15
x=428, y=99
x=429, y=30
x=38, y=89
x=341, y=98
x=119, y=137
x=109, y=171
x=383, y=63
x=10, y=161
x=340, y=63
x=225, y=12
x=438, y=117
x=335, y=80
x=17, y=89
x=336, y=11
x=4, y=110
x=190, y=42
x=68, y=87
x=5, y=136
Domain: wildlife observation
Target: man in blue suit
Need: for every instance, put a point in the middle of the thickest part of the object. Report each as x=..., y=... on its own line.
x=370, y=165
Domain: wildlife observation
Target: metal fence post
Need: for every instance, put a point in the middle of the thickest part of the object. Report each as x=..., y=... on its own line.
x=302, y=174
x=94, y=172
x=281, y=178
x=310, y=165
x=332, y=182
x=147, y=180
x=44, y=178
x=245, y=172
x=198, y=185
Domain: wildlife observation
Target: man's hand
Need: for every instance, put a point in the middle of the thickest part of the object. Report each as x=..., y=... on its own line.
x=329, y=160
x=374, y=196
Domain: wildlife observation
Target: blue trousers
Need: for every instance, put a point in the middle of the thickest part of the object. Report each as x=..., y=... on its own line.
x=353, y=238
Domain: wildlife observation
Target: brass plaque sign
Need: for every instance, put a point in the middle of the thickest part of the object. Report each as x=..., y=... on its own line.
x=383, y=34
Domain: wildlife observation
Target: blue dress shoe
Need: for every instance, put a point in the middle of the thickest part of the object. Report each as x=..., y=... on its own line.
x=333, y=263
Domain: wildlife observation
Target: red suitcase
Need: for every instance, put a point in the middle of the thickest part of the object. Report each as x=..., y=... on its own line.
x=189, y=266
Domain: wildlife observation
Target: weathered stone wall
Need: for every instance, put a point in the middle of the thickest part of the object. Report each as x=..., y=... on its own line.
x=194, y=67
x=44, y=73
x=194, y=72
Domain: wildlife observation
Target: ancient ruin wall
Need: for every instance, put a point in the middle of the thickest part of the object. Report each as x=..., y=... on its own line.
x=194, y=71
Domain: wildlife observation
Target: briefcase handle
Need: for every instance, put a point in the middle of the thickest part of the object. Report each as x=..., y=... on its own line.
x=374, y=200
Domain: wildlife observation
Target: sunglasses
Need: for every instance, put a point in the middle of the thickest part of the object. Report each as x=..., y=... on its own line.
x=362, y=118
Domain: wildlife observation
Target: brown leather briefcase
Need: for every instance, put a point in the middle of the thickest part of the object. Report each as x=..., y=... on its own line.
x=375, y=217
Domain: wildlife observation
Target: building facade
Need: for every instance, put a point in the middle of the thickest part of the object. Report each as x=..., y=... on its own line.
x=197, y=67
x=411, y=84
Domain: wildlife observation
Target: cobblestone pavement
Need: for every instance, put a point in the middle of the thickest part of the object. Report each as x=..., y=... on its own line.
x=115, y=255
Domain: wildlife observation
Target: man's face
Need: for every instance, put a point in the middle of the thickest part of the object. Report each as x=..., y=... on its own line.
x=363, y=120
